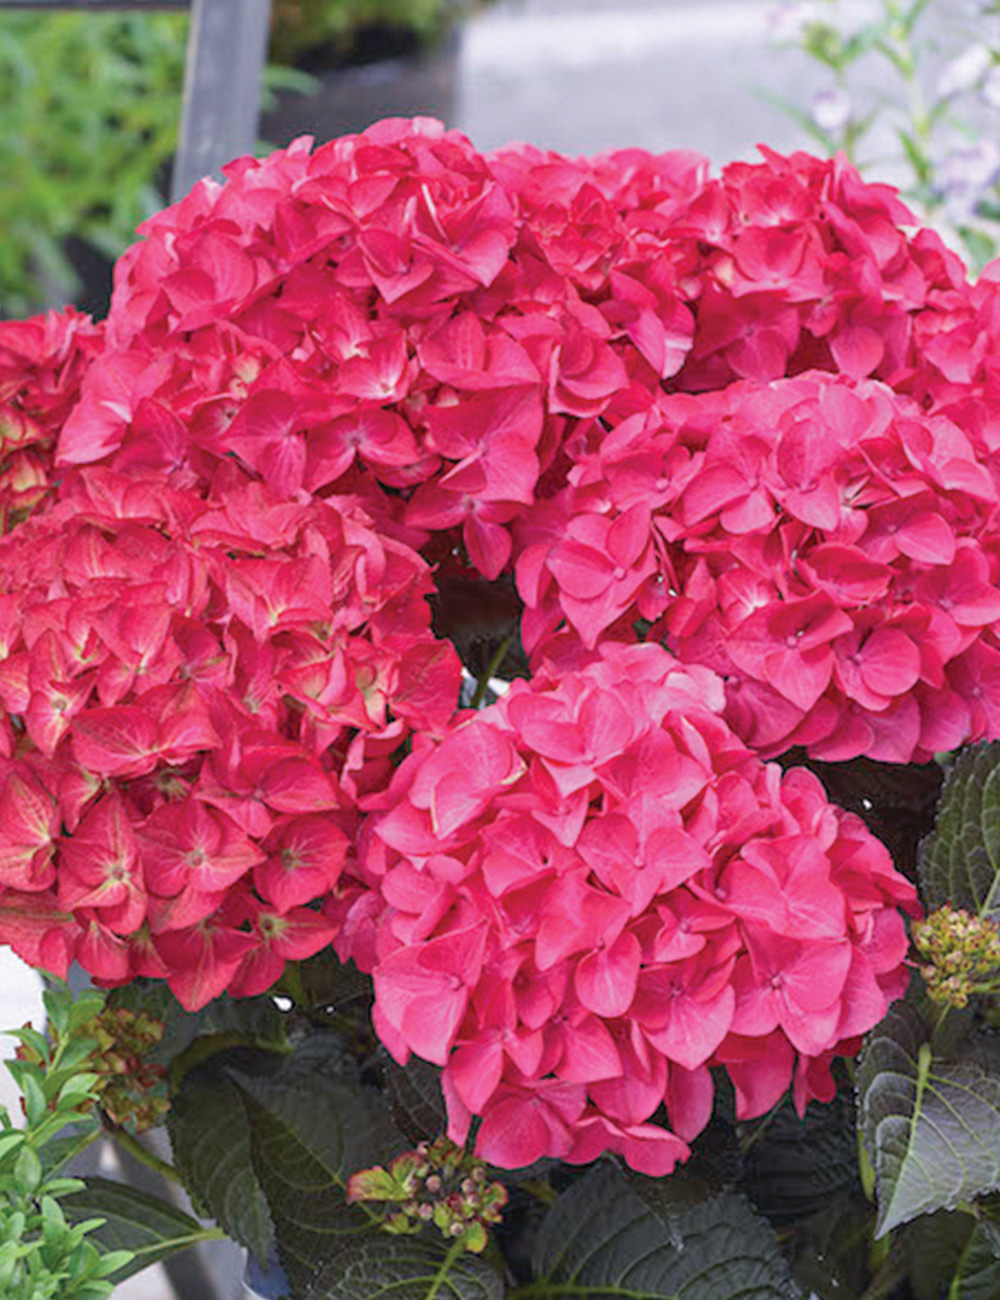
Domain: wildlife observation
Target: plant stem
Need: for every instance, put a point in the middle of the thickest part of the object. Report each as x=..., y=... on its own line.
x=441, y=1276
x=483, y=684
x=146, y=1157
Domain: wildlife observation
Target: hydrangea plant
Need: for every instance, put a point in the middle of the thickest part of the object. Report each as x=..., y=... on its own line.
x=483, y=638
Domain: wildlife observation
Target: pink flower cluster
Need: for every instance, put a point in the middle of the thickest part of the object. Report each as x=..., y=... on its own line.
x=749, y=418
x=472, y=345
x=194, y=693
x=42, y=363
x=591, y=893
x=822, y=543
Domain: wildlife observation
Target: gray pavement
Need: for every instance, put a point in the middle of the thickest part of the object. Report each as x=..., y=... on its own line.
x=658, y=74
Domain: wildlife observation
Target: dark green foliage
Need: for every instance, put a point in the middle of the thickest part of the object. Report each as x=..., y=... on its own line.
x=605, y=1238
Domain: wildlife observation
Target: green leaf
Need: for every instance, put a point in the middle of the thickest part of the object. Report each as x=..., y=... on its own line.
x=959, y=862
x=416, y=1102
x=830, y=1250
x=210, y=1140
x=148, y=1228
x=977, y=1274
x=232, y=1021
x=405, y=1268
x=9, y=1143
x=308, y=1134
x=799, y=1166
x=35, y=1101
x=603, y=1238
x=27, y=1171
x=931, y=1126
x=932, y=1248
x=981, y=246
x=72, y=1140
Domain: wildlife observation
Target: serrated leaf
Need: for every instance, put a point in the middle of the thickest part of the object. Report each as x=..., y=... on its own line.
x=308, y=1134
x=416, y=1102
x=799, y=1166
x=931, y=1127
x=404, y=1268
x=144, y=1225
x=932, y=1248
x=959, y=862
x=210, y=1140
x=830, y=1250
x=603, y=1238
x=977, y=1275
x=715, y=1165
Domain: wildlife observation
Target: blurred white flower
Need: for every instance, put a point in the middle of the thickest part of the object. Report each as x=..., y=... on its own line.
x=832, y=109
x=963, y=175
x=964, y=71
x=990, y=89
x=787, y=23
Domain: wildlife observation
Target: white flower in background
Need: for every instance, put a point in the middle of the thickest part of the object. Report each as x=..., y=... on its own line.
x=832, y=109
x=963, y=176
x=788, y=23
x=964, y=71
x=990, y=89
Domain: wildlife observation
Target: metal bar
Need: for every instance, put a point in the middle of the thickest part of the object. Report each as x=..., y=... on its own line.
x=227, y=50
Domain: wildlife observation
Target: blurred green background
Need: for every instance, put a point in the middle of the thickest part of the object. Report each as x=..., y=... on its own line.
x=89, y=110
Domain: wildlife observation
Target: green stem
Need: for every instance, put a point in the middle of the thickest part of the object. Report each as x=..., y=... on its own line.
x=546, y=1290
x=291, y=984
x=483, y=684
x=888, y=1277
x=180, y=1243
x=146, y=1157
x=441, y=1276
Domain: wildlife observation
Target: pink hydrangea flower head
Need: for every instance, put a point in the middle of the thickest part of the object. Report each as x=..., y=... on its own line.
x=592, y=892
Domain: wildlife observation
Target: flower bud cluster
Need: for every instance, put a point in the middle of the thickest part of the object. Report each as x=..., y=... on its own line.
x=132, y=1089
x=961, y=954
x=438, y=1183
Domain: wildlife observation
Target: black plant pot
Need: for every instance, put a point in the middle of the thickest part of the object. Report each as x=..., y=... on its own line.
x=393, y=77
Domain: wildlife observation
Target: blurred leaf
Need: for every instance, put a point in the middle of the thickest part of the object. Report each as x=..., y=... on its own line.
x=89, y=108
x=150, y=1228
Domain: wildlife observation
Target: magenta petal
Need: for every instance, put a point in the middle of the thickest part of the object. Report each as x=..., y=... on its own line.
x=695, y=1028
x=605, y=980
